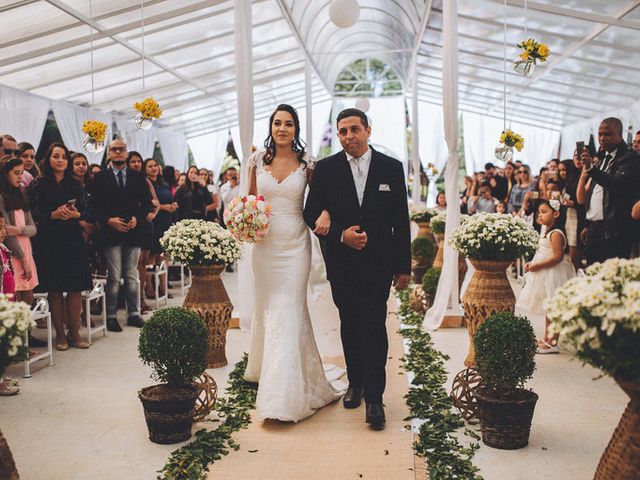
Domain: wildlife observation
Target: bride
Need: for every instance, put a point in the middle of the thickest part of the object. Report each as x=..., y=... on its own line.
x=284, y=358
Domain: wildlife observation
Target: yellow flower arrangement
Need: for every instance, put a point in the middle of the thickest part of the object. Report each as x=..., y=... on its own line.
x=95, y=129
x=532, y=51
x=432, y=168
x=149, y=108
x=512, y=139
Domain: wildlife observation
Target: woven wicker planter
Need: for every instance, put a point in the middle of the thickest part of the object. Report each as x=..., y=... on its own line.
x=505, y=424
x=169, y=420
x=208, y=298
x=438, y=261
x=418, y=268
x=488, y=292
x=621, y=458
x=424, y=230
x=7, y=465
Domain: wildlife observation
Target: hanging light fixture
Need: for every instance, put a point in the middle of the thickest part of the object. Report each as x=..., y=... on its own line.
x=532, y=51
x=344, y=13
x=95, y=131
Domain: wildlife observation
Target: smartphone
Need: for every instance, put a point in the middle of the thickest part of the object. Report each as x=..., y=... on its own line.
x=579, y=148
x=70, y=203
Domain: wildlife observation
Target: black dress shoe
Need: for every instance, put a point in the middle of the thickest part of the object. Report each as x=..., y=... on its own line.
x=375, y=416
x=135, y=322
x=113, y=325
x=352, y=397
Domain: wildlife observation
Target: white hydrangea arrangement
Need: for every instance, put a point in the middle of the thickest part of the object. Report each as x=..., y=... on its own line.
x=599, y=314
x=198, y=242
x=493, y=236
x=15, y=324
x=423, y=215
x=439, y=222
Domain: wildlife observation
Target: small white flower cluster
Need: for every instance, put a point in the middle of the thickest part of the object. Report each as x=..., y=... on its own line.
x=493, y=236
x=423, y=214
x=439, y=221
x=198, y=242
x=15, y=323
x=588, y=310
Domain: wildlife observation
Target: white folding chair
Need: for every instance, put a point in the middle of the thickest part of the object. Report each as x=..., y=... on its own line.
x=184, y=285
x=97, y=293
x=161, y=271
x=40, y=311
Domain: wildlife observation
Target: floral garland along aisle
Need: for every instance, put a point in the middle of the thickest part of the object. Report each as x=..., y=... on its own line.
x=429, y=402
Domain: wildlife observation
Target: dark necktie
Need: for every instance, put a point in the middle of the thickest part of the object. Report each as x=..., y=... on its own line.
x=120, y=179
x=606, y=163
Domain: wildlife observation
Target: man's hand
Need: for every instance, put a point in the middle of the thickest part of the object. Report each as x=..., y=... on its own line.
x=586, y=160
x=132, y=223
x=401, y=281
x=351, y=238
x=118, y=224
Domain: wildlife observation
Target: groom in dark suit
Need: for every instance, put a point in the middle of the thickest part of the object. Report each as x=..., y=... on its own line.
x=367, y=248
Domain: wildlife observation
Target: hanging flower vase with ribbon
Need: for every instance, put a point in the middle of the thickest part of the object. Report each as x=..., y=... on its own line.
x=508, y=141
x=148, y=110
x=532, y=51
x=96, y=134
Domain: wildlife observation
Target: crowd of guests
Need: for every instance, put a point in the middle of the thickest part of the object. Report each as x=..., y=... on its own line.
x=64, y=222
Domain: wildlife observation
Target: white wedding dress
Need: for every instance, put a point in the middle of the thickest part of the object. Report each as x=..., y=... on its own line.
x=284, y=358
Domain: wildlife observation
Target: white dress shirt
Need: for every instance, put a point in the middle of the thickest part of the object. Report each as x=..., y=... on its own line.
x=595, y=213
x=360, y=170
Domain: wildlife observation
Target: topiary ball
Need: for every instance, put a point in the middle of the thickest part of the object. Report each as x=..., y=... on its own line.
x=505, y=347
x=174, y=343
x=430, y=280
x=423, y=247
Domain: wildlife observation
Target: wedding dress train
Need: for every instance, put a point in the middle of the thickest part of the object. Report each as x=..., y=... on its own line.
x=284, y=358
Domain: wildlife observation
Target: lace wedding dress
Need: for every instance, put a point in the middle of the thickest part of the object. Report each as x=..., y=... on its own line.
x=284, y=358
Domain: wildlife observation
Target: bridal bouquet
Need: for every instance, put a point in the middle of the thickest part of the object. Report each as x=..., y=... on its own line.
x=247, y=218
x=493, y=236
x=15, y=323
x=599, y=315
x=198, y=242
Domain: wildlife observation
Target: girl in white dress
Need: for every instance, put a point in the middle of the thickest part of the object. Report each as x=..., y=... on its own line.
x=549, y=270
x=284, y=358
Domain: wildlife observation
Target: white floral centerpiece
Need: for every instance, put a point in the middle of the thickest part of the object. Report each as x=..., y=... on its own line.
x=439, y=222
x=198, y=242
x=493, y=236
x=15, y=324
x=423, y=215
x=599, y=315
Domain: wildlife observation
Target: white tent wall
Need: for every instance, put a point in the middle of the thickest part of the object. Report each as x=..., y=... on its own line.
x=208, y=150
x=23, y=115
x=174, y=148
x=70, y=118
x=141, y=141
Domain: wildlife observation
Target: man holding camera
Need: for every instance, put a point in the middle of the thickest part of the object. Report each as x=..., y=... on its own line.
x=608, y=186
x=120, y=201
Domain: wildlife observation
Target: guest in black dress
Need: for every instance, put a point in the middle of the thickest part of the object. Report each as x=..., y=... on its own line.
x=57, y=202
x=192, y=197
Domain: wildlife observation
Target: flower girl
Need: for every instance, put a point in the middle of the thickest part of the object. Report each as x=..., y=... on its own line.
x=550, y=268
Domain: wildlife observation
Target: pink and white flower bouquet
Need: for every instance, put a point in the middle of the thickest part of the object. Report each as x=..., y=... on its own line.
x=247, y=218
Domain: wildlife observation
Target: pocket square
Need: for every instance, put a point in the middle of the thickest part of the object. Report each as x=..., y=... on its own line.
x=384, y=188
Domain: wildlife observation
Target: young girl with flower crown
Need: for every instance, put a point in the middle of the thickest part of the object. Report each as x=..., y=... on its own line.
x=550, y=268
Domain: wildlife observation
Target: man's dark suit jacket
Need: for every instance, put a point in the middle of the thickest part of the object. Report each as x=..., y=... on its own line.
x=383, y=216
x=621, y=185
x=108, y=200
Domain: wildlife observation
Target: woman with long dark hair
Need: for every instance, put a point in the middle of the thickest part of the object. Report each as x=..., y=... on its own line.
x=192, y=198
x=27, y=154
x=57, y=201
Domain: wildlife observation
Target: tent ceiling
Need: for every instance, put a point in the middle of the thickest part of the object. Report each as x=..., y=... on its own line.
x=45, y=48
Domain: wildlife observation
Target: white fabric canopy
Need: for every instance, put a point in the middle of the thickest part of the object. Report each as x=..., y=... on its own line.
x=208, y=150
x=23, y=115
x=141, y=141
x=174, y=148
x=70, y=118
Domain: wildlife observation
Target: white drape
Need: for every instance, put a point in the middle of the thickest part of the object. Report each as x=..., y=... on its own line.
x=447, y=296
x=70, y=119
x=244, y=92
x=308, y=102
x=433, y=147
x=321, y=116
x=174, y=148
x=141, y=141
x=208, y=150
x=415, y=139
x=23, y=115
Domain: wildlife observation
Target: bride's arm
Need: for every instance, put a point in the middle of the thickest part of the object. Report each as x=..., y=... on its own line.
x=253, y=185
x=323, y=223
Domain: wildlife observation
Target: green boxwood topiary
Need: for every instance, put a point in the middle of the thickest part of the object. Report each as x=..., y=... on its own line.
x=422, y=247
x=174, y=343
x=505, y=347
x=430, y=280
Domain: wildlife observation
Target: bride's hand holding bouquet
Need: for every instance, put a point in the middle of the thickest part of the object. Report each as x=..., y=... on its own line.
x=247, y=218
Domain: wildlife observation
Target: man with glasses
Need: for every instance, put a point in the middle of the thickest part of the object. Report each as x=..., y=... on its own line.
x=9, y=145
x=120, y=201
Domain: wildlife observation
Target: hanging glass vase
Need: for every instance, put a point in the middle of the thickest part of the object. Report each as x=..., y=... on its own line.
x=142, y=122
x=91, y=145
x=504, y=153
x=525, y=68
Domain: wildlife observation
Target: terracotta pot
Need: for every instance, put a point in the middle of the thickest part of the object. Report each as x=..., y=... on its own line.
x=424, y=230
x=621, y=458
x=488, y=292
x=169, y=420
x=438, y=261
x=208, y=298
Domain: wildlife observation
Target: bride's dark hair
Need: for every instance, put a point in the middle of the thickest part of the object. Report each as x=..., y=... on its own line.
x=297, y=145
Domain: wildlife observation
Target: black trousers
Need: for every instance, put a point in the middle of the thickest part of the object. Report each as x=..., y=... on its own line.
x=362, y=304
x=602, y=244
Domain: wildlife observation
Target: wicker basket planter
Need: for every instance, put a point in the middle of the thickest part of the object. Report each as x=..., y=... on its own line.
x=169, y=417
x=621, y=458
x=424, y=231
x=505, y=423
x=488, y=292
x=208, y=298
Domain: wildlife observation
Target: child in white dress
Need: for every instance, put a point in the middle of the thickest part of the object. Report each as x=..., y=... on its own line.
x=550, y=268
